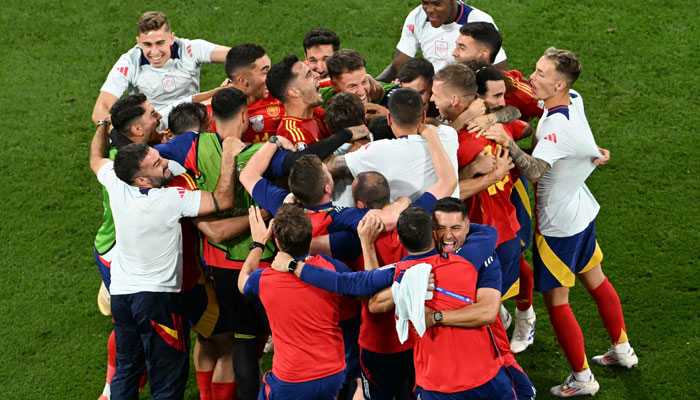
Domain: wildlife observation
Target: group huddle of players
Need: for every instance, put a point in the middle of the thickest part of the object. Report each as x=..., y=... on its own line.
x=369, y=227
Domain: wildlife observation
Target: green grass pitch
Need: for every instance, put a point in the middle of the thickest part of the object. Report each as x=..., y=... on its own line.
x=639, y=84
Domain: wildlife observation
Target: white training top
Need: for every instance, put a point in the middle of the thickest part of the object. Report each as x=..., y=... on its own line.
x=563, y=139
x=404, y=162
x=165, y=87
x=437, y=44
x=149, y=236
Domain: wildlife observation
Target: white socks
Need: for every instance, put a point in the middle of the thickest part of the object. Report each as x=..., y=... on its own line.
x=622, y=348
x=525, y=314
x=584, y=376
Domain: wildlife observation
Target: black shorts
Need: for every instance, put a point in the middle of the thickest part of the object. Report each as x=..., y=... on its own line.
x=244, y=315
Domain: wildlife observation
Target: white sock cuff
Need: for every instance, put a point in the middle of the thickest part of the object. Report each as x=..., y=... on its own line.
x=529, y=313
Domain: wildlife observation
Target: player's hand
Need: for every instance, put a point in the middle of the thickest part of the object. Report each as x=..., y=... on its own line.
x=359, y=132
x=376, y=91
x=604, y=159
x=369, y=228
x=286, y=143
x=258, y=230
x=290, y=199
x=426, y=130
x=232, y=146
x=480, y=124
x=496, y=133
x=227, y=83
x=374, y=110
x=281, y=262
x=503, y=163
x=483, y=163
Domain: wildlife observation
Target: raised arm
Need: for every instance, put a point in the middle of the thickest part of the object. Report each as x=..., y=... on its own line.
x=504, y=115
x=218, y=55
x=389, y=74
x=261, y=234
x=447, y=180
x=368, y=230
x=103, y=104
x=99, y=147
x=257, y=165
x=222, y=197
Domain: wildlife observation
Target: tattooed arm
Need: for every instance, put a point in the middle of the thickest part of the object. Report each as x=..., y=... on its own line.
x=533, y=168
x=504, y=115
x=338, y=167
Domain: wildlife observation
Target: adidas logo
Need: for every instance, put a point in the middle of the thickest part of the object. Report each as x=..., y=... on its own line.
x=551, y=138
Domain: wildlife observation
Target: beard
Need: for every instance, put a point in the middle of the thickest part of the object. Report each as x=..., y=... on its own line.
x=165, y=179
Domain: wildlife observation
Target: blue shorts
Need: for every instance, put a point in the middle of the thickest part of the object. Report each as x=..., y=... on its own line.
x=558, y=259
x=499, y=387
x=326, y=388
x=509, y=254
x=524, y=390
x=202, y=310
x=387, y=376
x=103, y=265
x=520, y=197
x=148, y=329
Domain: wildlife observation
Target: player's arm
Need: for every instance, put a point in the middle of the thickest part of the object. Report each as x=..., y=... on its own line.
x=222, y=197
x=482, y=164
x=468, y=187
x=261, y=234
x=221, y=229
x=482, y=312
x=257, y=165
x=218, y=55
x=99, y=147
x=447, y=180
x=368, y=230
x=504, y=115
x=533, y=168
x=390, y=72
x=338, y=167
x=381, y=302
x=389, y=214
x=103, y=104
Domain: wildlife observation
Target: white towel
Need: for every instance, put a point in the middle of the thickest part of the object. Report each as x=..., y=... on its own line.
x=409, y=297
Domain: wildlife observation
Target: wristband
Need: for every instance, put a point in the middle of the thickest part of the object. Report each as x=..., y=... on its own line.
x=292, y=266
x=256, y=244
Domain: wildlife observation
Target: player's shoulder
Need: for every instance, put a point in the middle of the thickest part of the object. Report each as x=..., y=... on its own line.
x=473, y=14
x=575, y=97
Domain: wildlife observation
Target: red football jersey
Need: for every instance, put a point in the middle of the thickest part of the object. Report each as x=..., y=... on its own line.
x=303, y=132
x=519, y=95
x=378, y=331
x=304, y=322
x=192, y=269
x=450, y=359
x=492, y=205
x=264, y=117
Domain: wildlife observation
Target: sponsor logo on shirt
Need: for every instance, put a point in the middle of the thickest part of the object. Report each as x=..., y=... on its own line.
x=411, y=28
x=123, y=70
x=168, y=83
x=273, y=110
x=189, y=50
x=257, y=123
x=441, y=48
x=551, y=138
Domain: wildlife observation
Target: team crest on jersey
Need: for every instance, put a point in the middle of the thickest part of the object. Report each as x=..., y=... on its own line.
x=273, y=110
x=441, y=48
x=257, y=123
x=168, y=83
x=181, y=192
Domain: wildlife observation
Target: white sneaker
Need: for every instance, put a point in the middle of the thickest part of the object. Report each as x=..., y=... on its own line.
x=571, y=387
x=269, y=346
x=505, y=317
x=524, y=333
x=627, y=360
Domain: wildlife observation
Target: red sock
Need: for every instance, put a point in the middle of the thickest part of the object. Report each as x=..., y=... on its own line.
x=144, y=379
x=111, y=357
x=569, y=336
x=610, y=311
x=204, y=384
x=523, y=301
x=223, y=390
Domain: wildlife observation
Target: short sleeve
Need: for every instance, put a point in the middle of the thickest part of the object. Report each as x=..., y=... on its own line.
x=490, y=274
x=268, y=196
x=345, y=244
x=119, y=76
x=252, y=285
x=370, y=157
x=199, y=50
x=106, y=175
x=425, y=201
x=408, y=43
x=479, y=245
x=178, y=147
x=347, y=218
x=191, y=200
x=552, y=146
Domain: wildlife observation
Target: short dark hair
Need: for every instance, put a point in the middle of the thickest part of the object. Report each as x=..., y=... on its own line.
x=343, y=61
x=343, y=111
x=228, y=102
x=127, y=161
x=458, y=76
x=565, y=63
x=416, y=68
x=486, y=34
x=186, y=117
x=415, y=229
x=153, y=21
x=319, y=37
x=293, y=230
x=372, y=188
x=280, y=76
x=484, y=73
x=126, y=111
x=380, y=128
x=242, y=56
x=450, y=205
x=307, y=179
x=406, y=107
